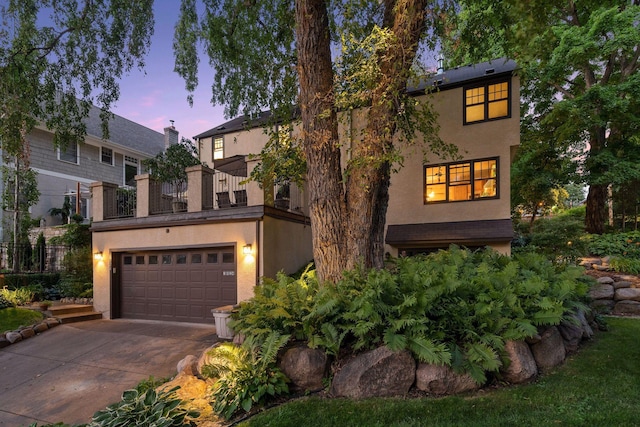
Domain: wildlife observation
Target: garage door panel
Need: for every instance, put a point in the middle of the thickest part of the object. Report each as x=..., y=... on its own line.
x=177, y=285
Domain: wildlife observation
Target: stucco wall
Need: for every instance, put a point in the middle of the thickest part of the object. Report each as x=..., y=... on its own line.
x=286, y=246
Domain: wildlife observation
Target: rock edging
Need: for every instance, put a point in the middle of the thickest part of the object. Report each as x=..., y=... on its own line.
x=11, y=337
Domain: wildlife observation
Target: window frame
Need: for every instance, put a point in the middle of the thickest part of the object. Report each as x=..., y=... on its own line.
x=66, y=152
x=472, y=180
x=486, y=101
x=215, y=149
x=111, y=156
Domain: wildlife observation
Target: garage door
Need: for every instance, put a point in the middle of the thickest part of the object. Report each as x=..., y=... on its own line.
x=178, y=285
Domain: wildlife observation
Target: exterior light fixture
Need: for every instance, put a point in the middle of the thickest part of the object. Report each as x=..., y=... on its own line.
x=247, y=249
x=97, y=256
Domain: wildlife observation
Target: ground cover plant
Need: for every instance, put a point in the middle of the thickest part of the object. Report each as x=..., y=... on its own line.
x=454, y=307
x=12, y=318
x=596, y=387
x=622, y=248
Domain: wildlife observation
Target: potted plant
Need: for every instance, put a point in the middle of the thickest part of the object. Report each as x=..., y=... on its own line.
x=44, y=305
x=169, y=166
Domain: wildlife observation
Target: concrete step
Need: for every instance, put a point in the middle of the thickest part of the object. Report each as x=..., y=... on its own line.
x=79, y=317
x=71, y=313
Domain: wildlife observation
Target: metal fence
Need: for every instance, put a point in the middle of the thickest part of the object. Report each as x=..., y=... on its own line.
x=120, y=203
x=31, y=259
x=165, y=197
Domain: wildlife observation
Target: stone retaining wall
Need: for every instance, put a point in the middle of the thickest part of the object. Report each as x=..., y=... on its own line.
x=617, y=294
x=10, y=337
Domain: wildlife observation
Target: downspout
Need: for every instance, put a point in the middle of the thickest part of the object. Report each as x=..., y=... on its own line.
x=258, y=252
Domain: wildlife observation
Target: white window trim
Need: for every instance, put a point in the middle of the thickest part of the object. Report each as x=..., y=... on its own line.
x=113, y=155
x=77, y=162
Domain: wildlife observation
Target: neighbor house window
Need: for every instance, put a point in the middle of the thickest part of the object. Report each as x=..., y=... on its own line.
x=131, y=169
x=453, y=182
x=487, y=102
x=106, y=155
x=71, y=153
x=218, y=148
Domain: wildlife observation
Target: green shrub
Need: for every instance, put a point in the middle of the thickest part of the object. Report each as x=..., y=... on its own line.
x=561, y=238
x=77, y=277
x=247, y=375
x=453, y=307
x=149, y=409
x=616, y=244
x=625, y=265
x=17, y=297
x=4, y=302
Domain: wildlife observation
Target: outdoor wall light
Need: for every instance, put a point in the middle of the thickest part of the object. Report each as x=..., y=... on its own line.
x=97, y=256
x=247, y=249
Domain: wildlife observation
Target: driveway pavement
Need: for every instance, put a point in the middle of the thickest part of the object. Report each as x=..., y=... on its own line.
x=71, y=371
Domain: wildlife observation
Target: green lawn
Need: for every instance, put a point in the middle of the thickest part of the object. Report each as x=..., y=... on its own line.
x=12, y=318
x=600, y=386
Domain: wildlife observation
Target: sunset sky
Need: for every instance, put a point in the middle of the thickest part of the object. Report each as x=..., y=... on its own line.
x=156, y=95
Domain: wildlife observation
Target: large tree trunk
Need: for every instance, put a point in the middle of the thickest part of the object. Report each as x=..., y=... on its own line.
x=369, y=175
x=320, y=138
x=596, y=212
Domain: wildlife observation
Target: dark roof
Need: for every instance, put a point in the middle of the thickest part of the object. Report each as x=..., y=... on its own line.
x=495, y=230
x=458, y=76
x=126, y=133
x=447, y=80
x=237, y=124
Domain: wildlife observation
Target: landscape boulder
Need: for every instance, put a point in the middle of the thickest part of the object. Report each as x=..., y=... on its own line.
x=630, y=294
x=601, y=291
x=305, y=367
x=376, y=373
x=627, y=308
x=550, y=351
x=442, y=380
x=188, y=365
x=522, y=366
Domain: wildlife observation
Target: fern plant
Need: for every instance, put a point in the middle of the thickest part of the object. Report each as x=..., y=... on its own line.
x=246, y=375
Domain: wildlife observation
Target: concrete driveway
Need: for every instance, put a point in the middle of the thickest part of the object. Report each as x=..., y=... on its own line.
x=71, y=371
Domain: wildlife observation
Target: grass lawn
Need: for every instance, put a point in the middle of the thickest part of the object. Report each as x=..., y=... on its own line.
x=12, y=318
x=600, y=386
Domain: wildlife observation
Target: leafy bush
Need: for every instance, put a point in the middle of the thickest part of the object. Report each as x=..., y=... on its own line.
x=561, y=238
x=76, y=236
x=616, y=244
x=77, y=277
x=4, y=302
x=150, y=409
x=247, y=374
x=453, y=307
x=47, y=280
x=17, y=297
x=625, y=265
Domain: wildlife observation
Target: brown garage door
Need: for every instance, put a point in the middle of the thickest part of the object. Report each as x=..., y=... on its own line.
x=177, y=285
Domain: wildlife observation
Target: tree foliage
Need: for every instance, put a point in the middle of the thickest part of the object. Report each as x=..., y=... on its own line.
x=327, y=60
x=580, y=77
x=169, y=165
x=57, y=57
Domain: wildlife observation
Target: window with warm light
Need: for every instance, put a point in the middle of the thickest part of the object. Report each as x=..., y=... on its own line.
x=461, y=181
x=487, y=102
x=218, y=148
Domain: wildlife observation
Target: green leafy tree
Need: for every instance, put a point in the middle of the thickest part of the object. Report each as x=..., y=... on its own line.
x=376, y=45
x=580, y=76
x=169, y=166
x=59, y=57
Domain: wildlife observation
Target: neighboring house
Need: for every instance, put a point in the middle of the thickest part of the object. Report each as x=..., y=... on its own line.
x=165, y=263
x=62, y=171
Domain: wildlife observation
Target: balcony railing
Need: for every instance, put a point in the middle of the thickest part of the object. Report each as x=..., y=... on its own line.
x=205, y=189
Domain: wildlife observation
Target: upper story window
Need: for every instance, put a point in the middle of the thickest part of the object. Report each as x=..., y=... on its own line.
x=106, y=155
x=71, y=153
x=131, y=169
x=487, y=102
x=462, y=181
x=218, y=148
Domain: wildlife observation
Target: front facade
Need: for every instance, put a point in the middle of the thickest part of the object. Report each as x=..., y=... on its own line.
x=166, y=264
x=69, y=171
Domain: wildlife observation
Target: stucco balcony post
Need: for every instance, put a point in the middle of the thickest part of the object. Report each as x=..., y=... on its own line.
x=199, y=188
x=102, y=203
x=143, y=202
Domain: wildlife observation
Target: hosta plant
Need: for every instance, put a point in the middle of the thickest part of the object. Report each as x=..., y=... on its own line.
x=149, y=409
